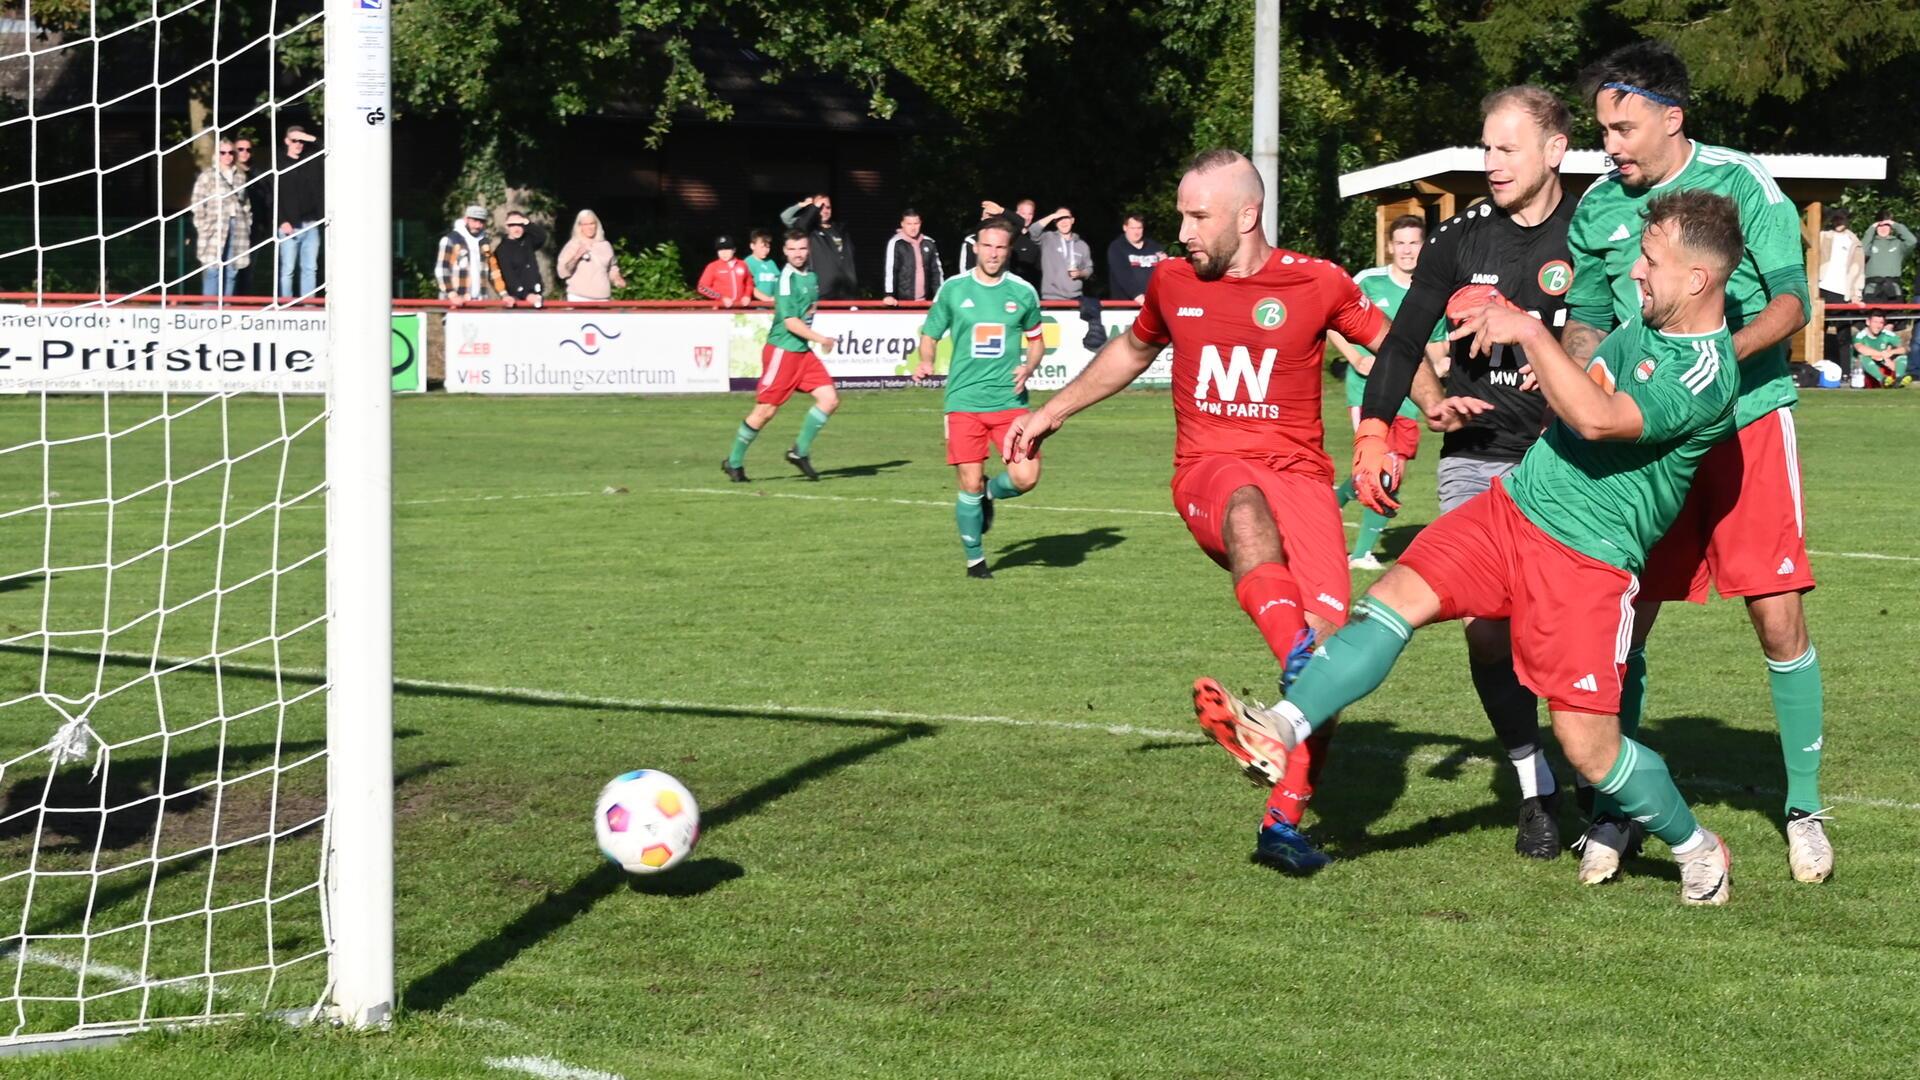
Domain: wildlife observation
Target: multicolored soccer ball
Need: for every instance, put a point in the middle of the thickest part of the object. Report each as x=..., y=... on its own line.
x=646, y=821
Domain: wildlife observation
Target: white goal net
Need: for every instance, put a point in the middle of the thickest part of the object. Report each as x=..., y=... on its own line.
x=195, y=720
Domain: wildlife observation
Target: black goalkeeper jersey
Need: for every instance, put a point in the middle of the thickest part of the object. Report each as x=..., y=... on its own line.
x=1532, y=267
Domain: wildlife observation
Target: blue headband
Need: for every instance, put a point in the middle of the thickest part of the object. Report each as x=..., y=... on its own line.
x=1653, y=96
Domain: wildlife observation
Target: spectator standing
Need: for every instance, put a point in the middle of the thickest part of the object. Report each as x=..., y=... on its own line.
x=1131, y=259
x=832, y=248
x=260, y=219
x=726, y=279
x=1065, y=264
x=1889, y=244
x=466, y=268
x=301, y=189
x=912, y=266
x=587, y=263
x=1843, y=263
x=1026, y=249
x=221, y=220
x=766, y=272
x=519, y=259
x=1877, y=350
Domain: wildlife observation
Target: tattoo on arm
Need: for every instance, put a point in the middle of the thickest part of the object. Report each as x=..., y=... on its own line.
x=1581, y=341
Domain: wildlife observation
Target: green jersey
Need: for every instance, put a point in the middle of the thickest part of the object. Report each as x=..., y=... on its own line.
x=766, y=274
x=1613, y=499
x=1885, y=339
x=794, y=298
x=1605, y=240
x=1386, y=294
x=989, y=324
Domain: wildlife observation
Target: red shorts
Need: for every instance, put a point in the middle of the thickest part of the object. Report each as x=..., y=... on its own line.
x=1311, y=535
x=970, y=434
x=1403, y=435
x=1742, y=526
x=1572, y=614
x=783, y=372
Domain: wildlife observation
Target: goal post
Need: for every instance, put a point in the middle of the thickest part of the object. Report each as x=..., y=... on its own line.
x=360, y=508
x=196, y=664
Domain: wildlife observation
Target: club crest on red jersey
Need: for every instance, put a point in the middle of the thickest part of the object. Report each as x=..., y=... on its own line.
x=1269, y=313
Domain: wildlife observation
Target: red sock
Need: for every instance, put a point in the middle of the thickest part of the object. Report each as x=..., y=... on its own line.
x=1288, y=801
x=1271, y=598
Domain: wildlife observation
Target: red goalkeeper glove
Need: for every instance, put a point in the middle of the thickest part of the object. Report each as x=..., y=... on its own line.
x=1468, y=299
x=1376, y=468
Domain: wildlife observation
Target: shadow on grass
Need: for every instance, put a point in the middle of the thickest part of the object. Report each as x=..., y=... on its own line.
x=1058, y=550
x=458, y=974
x=1395, y=540
x=853, y=472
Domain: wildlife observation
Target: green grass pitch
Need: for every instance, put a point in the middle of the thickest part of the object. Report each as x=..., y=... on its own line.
x=967, y=829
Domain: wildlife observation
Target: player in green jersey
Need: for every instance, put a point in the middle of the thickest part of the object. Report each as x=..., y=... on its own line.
x=1555, y=545
x=994, y=319
x=1876, y=348
x=1744, y=527
x=1385, y=286
x=788, y=365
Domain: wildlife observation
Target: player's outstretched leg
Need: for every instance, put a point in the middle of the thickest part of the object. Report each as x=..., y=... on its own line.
x=1611, y=836
x=1514, y=712
x=750, y=427
x=1793, y=675
x=825, y=401
x=1638, y=780
x=1281, y=844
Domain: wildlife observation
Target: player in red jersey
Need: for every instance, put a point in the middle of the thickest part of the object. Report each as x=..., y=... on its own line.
x=1252, y=479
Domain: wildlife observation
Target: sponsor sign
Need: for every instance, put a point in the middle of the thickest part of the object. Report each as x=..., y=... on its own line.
x=587, y=352
x=409, y=359
x=701, y=352
x=175, y=350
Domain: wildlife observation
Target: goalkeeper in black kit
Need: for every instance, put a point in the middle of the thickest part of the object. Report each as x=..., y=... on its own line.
x=1512, y=247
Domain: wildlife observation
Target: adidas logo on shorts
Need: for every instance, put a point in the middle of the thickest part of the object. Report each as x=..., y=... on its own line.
x=1587, y=683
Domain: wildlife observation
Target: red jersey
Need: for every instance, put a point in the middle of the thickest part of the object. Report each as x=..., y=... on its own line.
x=727, y=281
x=1247, y=355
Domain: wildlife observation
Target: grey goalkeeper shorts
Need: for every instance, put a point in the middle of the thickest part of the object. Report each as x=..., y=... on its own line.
x=1461, y=478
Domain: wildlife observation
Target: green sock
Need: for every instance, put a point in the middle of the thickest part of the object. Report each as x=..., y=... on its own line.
x=1371, y=525
x=1797, y=698
x=1644, y=789
x=808, y=429
x=741, y=440
x=1633, y=701
x=967, y=515
x=1001, y=487
x=1344, y=492
x=1351, y=664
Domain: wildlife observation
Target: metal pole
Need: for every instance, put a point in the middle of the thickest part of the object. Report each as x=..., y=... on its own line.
x=359, y=205
x=1266, y=106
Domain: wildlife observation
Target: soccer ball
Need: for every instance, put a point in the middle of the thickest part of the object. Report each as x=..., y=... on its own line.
x=646, y=821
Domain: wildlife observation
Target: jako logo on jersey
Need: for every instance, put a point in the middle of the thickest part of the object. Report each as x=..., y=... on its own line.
x=1190, y=313
x=1486, y=279
x=1332, y=603
x=1643, y=370
x=1268, y=314
x=1228, y=378
x=1556, y=277
x=989, y=339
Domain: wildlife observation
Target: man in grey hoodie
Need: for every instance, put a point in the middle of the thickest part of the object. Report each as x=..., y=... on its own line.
x=1065, y=264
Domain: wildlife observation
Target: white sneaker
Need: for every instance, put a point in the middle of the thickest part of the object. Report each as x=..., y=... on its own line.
x=1706, y=876
x=1808, y=851
x=1364, y=562
x=1601, y=848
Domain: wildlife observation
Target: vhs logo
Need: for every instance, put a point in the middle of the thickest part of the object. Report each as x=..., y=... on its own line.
x=989, y=339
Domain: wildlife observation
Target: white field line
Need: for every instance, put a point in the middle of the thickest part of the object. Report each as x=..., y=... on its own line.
x=776, y=709
x=547, y=1068
x=1023, y=505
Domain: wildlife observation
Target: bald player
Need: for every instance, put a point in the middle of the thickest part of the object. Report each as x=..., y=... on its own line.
x=1251, y=478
